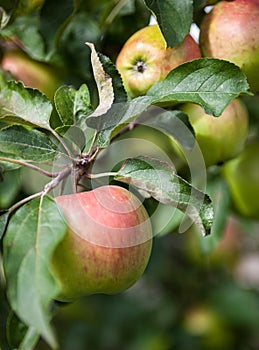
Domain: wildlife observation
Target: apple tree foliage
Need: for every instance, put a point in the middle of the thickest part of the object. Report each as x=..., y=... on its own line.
x=60, y=139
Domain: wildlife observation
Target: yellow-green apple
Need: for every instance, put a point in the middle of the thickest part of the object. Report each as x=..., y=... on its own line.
x=145, y=58
x=32, y=73
x=230, y=32
x=107, y=244
x=242, y=177
x=219, y=138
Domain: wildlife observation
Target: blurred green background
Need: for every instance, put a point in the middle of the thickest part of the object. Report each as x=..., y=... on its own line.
x=197, y=293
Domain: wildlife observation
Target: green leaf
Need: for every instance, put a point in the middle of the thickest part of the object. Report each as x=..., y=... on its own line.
x=72, y=105
x=15, y=330
x=174, y=18
x=3, y=222
x=174, y=123
x=19, y=335
x=219, y=192
x=7, y=166
x=116, y=117
x=74, y=137
x=212, y=83
x=28, y=145
x=64, y=102
x=103, y=82
x=160, y=181
x=120, y=94
x=209, y=82
x=30, y=340
x=33, y=233
x=20, y=105
x=26, y=29
x=82, y=104
x=10, y=186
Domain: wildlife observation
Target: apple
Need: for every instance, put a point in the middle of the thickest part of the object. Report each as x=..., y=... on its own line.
x=241, y=175
x=32, y=73
x=219, y=138
x=230, y=32
x=107, y=244
x=145, y=59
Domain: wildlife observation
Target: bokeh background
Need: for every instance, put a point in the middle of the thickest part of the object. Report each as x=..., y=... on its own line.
x=197, y=293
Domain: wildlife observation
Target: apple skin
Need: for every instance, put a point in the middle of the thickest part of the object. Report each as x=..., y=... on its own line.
x=230, y=32
x=32, y=73
x=107, y=245
x=144, y=59
x=241, y=175
x=219, y=138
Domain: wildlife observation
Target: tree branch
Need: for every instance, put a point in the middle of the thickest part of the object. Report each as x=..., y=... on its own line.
x=29, y=165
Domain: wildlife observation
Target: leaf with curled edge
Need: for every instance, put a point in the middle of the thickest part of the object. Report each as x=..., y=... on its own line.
x=211, y=83
x=120, y=94
x=160, y=180
x=103, y=82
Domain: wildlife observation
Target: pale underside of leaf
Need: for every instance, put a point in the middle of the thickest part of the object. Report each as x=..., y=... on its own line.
x=161, y=182
x=209, y=82
x=103, y=82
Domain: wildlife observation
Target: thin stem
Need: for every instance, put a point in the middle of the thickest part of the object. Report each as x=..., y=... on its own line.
x=74, y=182
x=23, y=201
x=127, y=128
x=49, y=186
x=96, y=176
x=29, y=165
x=114, y=12
x=93, y=141
x=60, y=139
x=55, y=182
x=93, y=155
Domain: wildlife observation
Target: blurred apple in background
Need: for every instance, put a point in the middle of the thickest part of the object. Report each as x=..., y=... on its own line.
x=32, y=73
x=230, y=32
x=219, y=138
x=145, y=59
x=242, y=177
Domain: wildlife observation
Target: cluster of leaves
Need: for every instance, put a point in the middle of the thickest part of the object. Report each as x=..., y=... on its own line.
x=32, y=227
